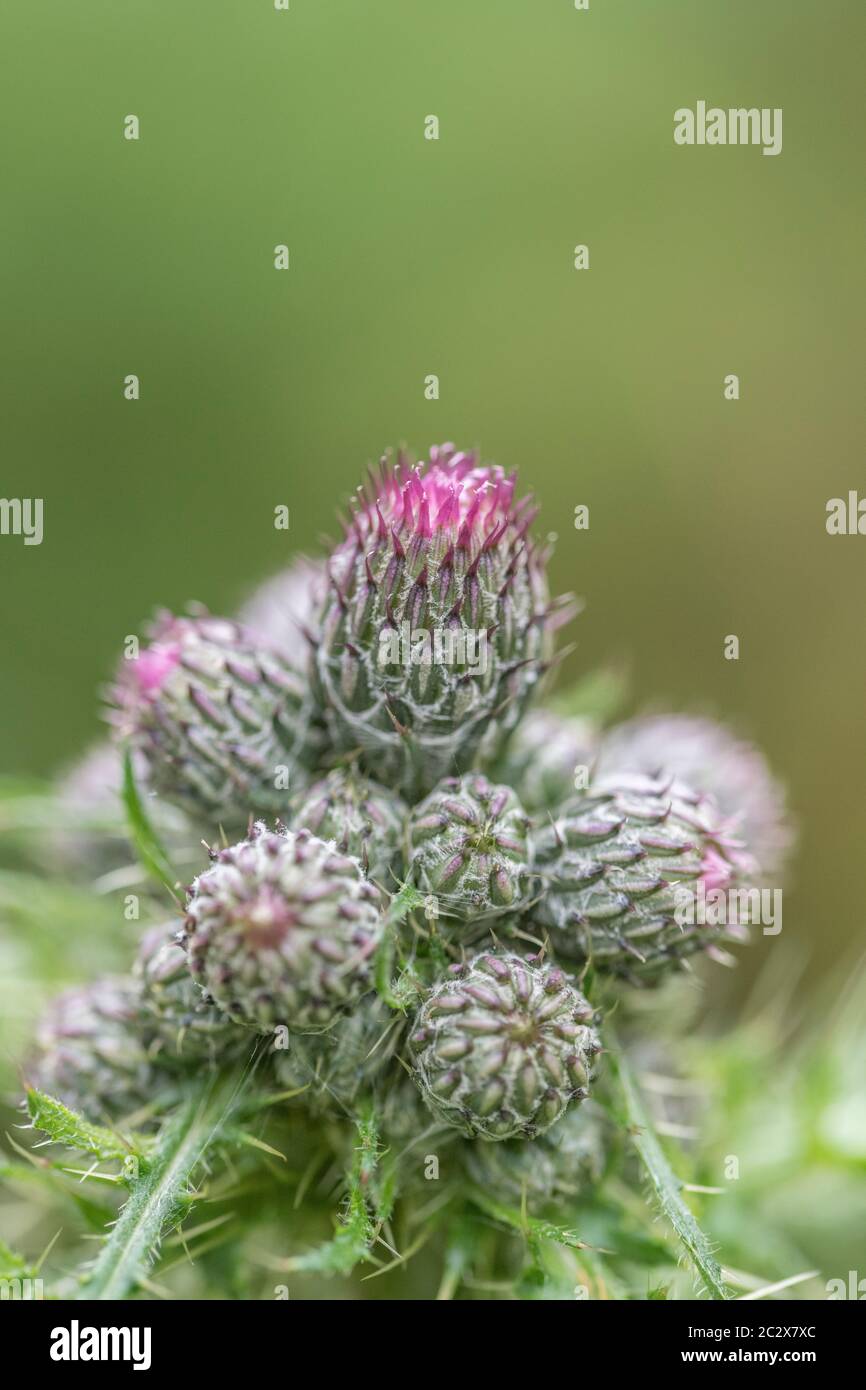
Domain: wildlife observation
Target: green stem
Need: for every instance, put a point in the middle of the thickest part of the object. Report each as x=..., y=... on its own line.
x=665, y=1183
x=158, y=1199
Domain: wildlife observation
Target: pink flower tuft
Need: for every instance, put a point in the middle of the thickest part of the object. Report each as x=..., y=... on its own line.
x=450, y=495
x=716, y=872
x=153, y=667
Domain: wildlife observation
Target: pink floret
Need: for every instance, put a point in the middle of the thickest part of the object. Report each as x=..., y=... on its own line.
x=449, y=492
x=716, y=872
x=153, y=667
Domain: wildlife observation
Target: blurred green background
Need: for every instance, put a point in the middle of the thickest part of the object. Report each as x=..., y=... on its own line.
x=454, y=257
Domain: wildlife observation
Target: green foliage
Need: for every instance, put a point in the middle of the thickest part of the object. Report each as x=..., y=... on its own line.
x=145, y=839
x=666, y=1187
x=161, y=1193
x=64, y=1126
x=368, y=1203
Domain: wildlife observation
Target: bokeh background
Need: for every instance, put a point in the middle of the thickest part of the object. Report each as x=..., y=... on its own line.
x=455, y=257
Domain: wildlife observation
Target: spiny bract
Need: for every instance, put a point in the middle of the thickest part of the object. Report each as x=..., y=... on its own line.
x=280, y=931
x=618, y=868
x=358, y=816
x=435, y=630
x=503, y=1046
x=222, y=722
x=469, y=846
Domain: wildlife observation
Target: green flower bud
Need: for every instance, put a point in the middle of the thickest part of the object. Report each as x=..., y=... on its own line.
x=222, y=723
x=469, y=847
x=503, y=1046
x=90, y=1053
x=179, y=1023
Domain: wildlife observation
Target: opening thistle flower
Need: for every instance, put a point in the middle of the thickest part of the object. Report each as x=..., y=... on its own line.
x=503, y=1046
x=280, y=931
x=437, y=625
x=222, y=722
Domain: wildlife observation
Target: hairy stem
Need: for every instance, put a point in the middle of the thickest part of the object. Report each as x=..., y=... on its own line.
x=159, y=1197
x=665, y=1183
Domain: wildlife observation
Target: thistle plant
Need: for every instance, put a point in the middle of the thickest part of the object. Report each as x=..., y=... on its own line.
x=437, y=625
x=423, y=900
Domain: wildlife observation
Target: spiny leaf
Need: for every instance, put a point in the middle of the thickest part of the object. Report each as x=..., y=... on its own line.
x=12, y=1265
x=368, y=1205
x=531, y=1227
x=665, y=1184
x=160, y=1197
x=67, y=1127
x=144, y=837
x=396, y=993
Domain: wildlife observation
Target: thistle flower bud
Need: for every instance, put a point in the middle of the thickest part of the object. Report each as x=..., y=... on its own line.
x=436, y=627
x=469, y=846
x=503, y=1046
x=548, y=757
x=619, y=868
x=177, y=1020
x=222, y=723
x=561, y=1164
x=358, y=816
x=708, y=755
x=280, y=930
x=284, y=610
x=89, y=1051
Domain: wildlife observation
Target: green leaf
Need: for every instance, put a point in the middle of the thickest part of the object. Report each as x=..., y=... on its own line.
x=145, y=839
x=64, y=1126
x=665, y=1184
x=161, y=1195
x=12, y=1266
x=533, y=1228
